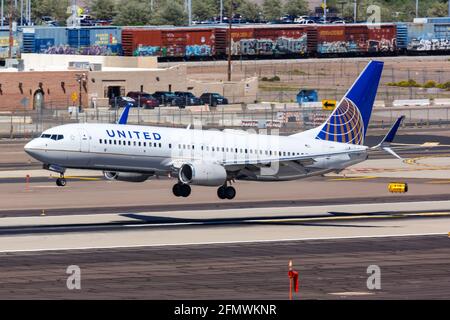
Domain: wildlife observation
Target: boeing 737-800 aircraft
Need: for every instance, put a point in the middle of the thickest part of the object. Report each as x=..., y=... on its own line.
x=216, y=158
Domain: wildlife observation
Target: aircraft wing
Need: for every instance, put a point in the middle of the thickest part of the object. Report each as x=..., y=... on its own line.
x=303, y=160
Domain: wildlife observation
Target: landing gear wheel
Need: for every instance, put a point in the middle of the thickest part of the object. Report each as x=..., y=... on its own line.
x=185, y=190
x=230, y=193
x=177, y=190
x=221, y=192
x=181, y=190
x=61, y=182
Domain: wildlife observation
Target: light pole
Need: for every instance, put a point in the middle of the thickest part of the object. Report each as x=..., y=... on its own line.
x=230, y=24
x=417, y=8
x=221, y=11
x=355, y=9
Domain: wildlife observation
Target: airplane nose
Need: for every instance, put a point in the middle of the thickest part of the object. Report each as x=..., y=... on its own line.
x=32, y=147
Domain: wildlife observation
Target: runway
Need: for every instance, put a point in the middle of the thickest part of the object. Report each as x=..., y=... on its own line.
x=411, y=268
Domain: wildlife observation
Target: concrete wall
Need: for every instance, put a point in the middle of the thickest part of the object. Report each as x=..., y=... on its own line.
x=237, y=91
x=56, y=86
x=50, y=62
x=148, y=80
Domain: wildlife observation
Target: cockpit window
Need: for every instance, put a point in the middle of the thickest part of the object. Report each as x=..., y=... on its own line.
x=55, y=137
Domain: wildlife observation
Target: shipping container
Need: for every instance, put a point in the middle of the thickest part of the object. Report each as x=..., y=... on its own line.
x=102, y=41
x=87, y=41
x=429, y=37
x=260, y=41
x=169, y=42
x=356, y=39
x=4, y=43
x=269, y=41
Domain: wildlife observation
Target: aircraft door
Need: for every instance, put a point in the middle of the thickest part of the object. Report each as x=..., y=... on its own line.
x=84, y=141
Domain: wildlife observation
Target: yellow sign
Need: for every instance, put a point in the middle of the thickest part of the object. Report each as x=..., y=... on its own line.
x=74, y=97
x=398, y=187
x=328, y=104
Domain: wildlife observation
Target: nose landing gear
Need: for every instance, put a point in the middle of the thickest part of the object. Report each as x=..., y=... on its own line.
x=181, y=190
x=61, y=182
x=225, y=192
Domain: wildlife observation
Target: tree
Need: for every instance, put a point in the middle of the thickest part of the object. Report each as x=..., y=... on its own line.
x=250, y=10
x=133, y=13
x=57, y=9
x=170, y=13
x=438, y=9
x=103, y=9
x=296, y=7
x=204, y=9
x=273, y=9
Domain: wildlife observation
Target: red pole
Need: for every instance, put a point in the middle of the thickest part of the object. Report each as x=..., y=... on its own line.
x=290, y=279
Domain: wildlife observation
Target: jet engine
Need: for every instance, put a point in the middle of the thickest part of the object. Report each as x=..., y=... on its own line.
x=126, y=176
x=202, y=174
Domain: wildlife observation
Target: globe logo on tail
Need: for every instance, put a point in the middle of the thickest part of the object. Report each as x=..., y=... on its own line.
x=345, y=125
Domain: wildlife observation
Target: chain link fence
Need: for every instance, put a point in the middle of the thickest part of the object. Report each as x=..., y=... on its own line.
x=287, y=118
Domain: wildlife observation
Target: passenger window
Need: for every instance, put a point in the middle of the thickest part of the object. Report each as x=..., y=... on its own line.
x=170, y=146
x=145, y=144
x=129, y=143
x=160, y=145
x=110, y=141
x=100, y=141
x=134, y=143
x=154, y=144
x=139, y=143
x=115, y=142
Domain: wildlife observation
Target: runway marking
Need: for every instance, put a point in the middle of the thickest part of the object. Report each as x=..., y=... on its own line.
x=438, y=182
x=363, y=293
x=353, y=178
x=77, y=178
x=356, y=216
x=227, y=242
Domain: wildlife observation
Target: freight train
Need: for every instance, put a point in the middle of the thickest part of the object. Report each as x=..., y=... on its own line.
x=424, y=36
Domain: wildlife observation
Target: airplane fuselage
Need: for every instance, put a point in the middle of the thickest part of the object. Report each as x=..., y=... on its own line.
x=157, y=150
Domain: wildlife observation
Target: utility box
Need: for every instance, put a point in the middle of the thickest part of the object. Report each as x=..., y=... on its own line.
x=307, y=96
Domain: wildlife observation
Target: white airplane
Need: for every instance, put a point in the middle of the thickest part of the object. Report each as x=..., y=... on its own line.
x=216, y=158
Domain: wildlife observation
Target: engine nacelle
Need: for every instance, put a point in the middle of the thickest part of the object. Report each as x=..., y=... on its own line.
x=126, y=176
x=202, y=174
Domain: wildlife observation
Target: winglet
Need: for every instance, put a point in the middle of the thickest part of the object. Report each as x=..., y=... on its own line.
x=385, y=144
x=389, y=138
x=124, y=117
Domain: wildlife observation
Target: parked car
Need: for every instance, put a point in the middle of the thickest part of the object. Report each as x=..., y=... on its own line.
x=122, y=102
x=167, y=98
x=144, y=100
x=188, y=98
x=213, y=99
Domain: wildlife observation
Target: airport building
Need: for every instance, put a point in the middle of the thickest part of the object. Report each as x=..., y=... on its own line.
x=60, y=81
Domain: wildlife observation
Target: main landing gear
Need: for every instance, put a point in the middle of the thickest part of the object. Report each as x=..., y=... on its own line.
x=225, y=192
x=181, y=190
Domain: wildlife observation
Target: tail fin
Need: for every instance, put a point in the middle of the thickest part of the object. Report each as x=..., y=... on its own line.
x=350, y=120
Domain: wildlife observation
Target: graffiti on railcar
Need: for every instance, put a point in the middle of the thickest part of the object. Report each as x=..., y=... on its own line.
x=338, y=47
x=281, y=45
x=383, y=45
x=147, y=51
x=429, y=44
x=87, y=51
x=198, y=51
